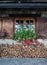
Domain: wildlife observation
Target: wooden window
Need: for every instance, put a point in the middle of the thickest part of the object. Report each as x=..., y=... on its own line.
x=18, y=25
x=30, y=24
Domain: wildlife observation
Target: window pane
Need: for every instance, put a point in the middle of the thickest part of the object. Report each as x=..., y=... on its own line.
x=19, y=25
x=31, y=21
x=17, y=21
x=29, y=24
x=21, y=21
x=27, y=21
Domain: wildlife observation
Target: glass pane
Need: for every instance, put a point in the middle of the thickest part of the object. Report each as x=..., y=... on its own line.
x=31, y=22
x=27, y=24
x=27, y=21
x=19, y=25
x=30, y=25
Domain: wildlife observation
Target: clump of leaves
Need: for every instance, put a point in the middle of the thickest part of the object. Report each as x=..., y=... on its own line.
x=36, y=35
x=25, y=35
x=13, y=36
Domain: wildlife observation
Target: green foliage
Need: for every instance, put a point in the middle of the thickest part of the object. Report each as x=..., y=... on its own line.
x=25, y=35
x=36, y=35
x=13, y=37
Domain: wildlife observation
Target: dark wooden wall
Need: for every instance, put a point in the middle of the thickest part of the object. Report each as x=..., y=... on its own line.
x=8, y=24
x=41, y=25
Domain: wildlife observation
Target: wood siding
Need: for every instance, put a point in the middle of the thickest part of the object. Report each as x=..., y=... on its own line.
x=9, y=24
x=41, y=25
